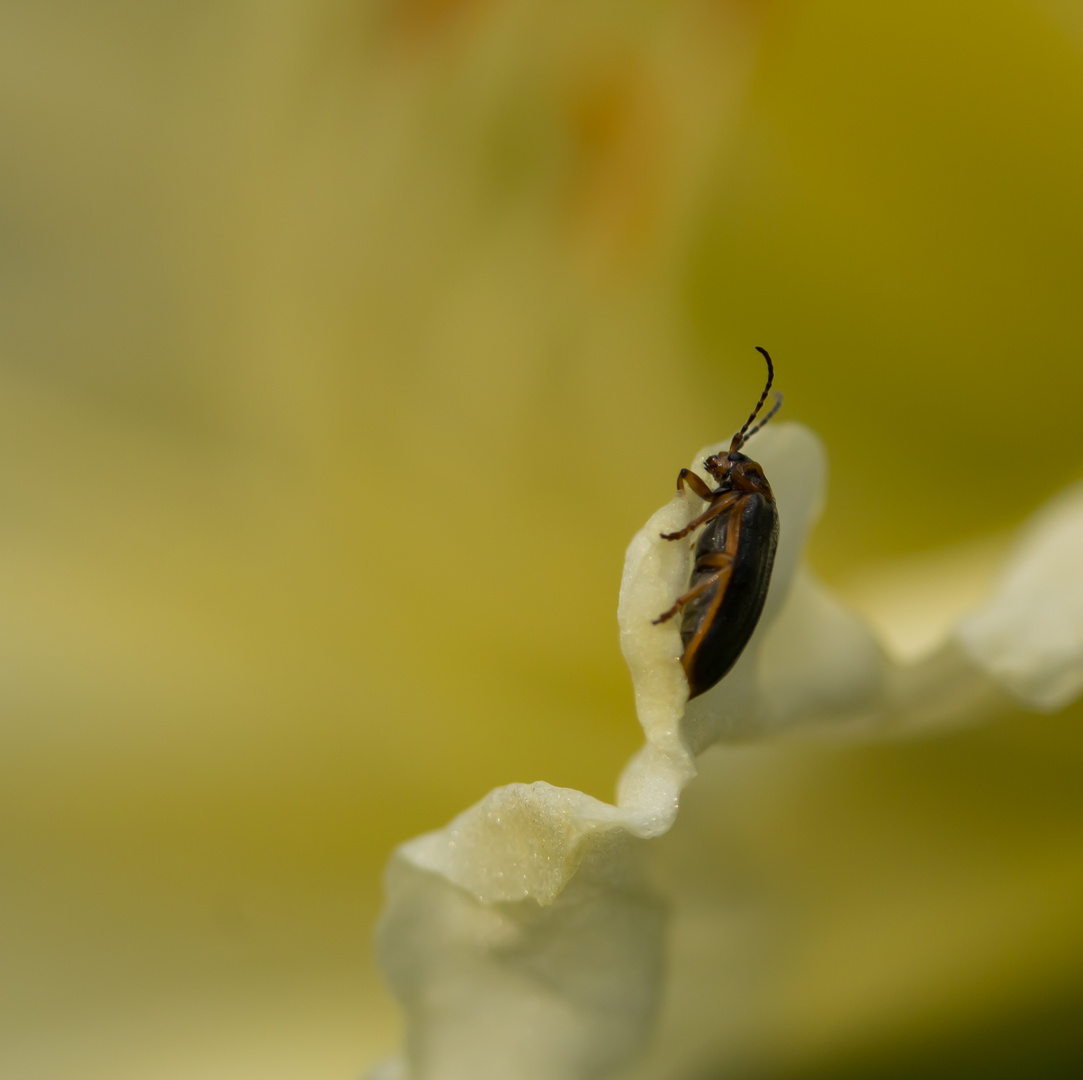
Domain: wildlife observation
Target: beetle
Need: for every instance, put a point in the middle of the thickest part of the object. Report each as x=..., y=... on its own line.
x=734, y=556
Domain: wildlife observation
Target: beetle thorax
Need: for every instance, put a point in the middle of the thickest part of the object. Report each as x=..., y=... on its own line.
x=738, y=472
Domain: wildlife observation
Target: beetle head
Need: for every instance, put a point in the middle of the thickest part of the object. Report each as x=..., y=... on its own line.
x=720, y=465
x=737, y=472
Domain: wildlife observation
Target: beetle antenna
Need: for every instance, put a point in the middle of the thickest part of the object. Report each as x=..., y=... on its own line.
x=774, y=409
x=739, y=438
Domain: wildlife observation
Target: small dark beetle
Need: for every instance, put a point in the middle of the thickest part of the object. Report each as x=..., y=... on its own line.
x=734, y=556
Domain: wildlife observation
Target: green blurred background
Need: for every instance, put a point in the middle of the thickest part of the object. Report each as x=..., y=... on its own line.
x=343, y=347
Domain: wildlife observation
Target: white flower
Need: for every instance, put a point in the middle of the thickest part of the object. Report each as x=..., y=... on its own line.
x=536, y=934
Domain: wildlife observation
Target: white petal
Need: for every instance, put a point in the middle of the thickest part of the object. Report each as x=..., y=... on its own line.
x=522, y=939
x=820, y=662
x=1029, y=637
x=516, y=990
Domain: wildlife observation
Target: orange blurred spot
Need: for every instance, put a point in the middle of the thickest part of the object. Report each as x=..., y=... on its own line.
x=420, y=21
x=619, y=139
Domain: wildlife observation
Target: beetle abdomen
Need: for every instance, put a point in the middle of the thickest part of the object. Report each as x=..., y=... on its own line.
x=716, y=624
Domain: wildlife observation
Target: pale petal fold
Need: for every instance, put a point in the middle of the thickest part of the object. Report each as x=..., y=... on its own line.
x=525, y=939
x=1029, y=637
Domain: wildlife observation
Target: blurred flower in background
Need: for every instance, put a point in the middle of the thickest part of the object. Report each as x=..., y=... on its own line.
x=344, y=346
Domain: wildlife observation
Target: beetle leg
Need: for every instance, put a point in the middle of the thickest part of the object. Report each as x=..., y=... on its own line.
x=719, y=507
x=717, y=558
x=687, y=478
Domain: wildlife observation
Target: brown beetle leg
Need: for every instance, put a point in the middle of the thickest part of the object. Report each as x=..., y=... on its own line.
x=687, y=478
x=719, y=507
x=719, y=559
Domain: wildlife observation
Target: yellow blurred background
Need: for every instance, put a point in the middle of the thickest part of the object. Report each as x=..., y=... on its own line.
x=343, y=347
